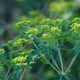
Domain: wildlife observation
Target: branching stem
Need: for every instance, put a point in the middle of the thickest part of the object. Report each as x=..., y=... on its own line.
x=70, y=65
x=21, y=78
x=60, y=58
x=46, y=59
x=55, y=63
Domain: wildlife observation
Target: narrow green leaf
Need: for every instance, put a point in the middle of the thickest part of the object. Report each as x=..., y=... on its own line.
x=76, y=50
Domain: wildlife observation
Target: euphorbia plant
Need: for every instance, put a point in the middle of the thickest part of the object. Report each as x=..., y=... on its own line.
x=41, y=42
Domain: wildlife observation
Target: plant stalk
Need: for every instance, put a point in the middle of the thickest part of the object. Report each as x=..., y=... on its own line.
x=60, y=58
x=70, y=65
x=54, y=61
x=7, y=72
x=23, y=74
x=46, y=59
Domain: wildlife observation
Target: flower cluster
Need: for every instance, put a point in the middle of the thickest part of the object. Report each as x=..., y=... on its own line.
x=10, y=43
x=22, y=23
x=19, y=59
x=27, y=52
x=47, y=36
x=32, y=31
x=1, y=51
x=22, y=40
x=43, y=27
x=60, y=7
x=58, y=22
x=55, y=30
x=76, y=20
x=46, y=21
x=75, y=26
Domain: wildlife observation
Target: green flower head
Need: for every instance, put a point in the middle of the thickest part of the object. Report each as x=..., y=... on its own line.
x=55, y=30
x=22, y=40
x=19, y=59
x=75, y=26
x=2, y=51
x=9, y=42
x=46, y=21
x=33, y=31
x=76, y=20
x=27, y=52
x=22, y=23
x=45, y=27
x=47, y=36
x=58, y=21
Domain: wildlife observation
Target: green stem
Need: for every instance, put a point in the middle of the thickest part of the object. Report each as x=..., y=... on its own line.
x=66, y=77
x=61, y=78
x=46, y=59
x=50, y=63
x=7, y=72
x=54, y=61
x=70, y=65
x=22, y=74
x=60, y=58
x=5, y=76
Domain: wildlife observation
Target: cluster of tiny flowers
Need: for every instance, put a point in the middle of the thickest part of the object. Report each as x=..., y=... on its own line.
x=46, y=36
x=46, y=21
x=32, y=31
x=19, y=59
x=9, y=42
x=45, y=27
x=22, y=23
x=2, y=51
x=27, y=52
x=58, y=22
x=76, y=20
x=55, y=30
x=22, y=40
x=75, y=26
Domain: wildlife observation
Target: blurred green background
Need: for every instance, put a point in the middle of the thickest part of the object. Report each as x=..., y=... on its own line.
x=12, y=11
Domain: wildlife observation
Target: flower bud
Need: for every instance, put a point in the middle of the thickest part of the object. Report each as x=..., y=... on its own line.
x=55, y=30
x=45, y=27
x=22, y=40
x=46, y=21
x=27, y=52
x=32, y=31
x=76, y=20
x=19, y=59
x=9, y=42
x=46, y=36
x=75, y=26
x=58, y=22
x=22, y=23
x=2, y=51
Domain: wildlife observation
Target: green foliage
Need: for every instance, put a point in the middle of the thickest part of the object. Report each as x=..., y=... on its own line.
x=63, y=9
x=37, y=37
x=45, y=40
